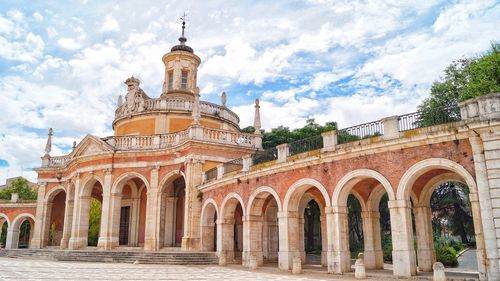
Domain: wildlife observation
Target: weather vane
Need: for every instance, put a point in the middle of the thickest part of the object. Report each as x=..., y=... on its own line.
x=183, y=19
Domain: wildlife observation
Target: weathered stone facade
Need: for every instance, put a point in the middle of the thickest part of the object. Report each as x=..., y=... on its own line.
x=166, y=179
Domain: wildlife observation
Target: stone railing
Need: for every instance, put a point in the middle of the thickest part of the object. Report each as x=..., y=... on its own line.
x=147, y=142
x=231, y=137
x=160, y=141
x=59, y=161
x=178, y=104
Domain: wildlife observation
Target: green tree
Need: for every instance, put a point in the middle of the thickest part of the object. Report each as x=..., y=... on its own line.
x=3, y=237
x=356, y=243
x=463, y=79
x=22, y=187
x=94, y=222
x=283, y=134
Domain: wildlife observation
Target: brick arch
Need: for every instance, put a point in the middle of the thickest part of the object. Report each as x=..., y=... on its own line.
x=168, y=178
x=414, y=172
x=298, y=189
x=16, y=223
x=426, y=193
x=88, y=184
x=205, y=205
x=53, y=193
x=347, y=182
x=260, y=191
x=227, y=204
x=123, y=178
x=4, y=216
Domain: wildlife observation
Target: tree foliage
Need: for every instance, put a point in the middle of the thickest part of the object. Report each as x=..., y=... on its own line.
x=356, y=243
x=22, y=187
x=94, y=222
x=463, y=79
x=283, y=134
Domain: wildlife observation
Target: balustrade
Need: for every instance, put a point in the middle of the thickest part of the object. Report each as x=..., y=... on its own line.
x=206, y=108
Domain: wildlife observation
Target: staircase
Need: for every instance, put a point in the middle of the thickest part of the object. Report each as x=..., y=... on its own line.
x=161, y=257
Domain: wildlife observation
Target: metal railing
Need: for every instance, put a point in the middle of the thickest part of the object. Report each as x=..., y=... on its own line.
x=426, y=117
x=211, y=174
x=265, y=156
x=304, y=145
x=358, y=132
x=233, y=165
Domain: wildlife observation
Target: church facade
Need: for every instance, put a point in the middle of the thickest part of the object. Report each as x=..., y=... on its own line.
x=179, y=173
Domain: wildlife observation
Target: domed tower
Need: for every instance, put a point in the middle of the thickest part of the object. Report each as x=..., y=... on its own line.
x=178, y=106
x=181, y=67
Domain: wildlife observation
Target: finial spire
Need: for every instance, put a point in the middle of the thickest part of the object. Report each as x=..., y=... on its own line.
x=183, y=18
x=256, y=119
x=48, y=146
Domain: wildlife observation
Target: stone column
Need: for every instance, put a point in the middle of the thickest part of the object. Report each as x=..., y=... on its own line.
x=37, y=241
x=192, y=204
x=225, y=238
x=68, y=220
x=108, y=213
x=330, y=237
x=170, y=210
x=288, y=238
x=324, y=241
x=12, y=237
x=482, y=209
x=134, y=222
x=373, y=256
x=403, y=253
x=252, y=239
x=151, y=240
x=75, y=241
x=341, y=253
x=425, y=243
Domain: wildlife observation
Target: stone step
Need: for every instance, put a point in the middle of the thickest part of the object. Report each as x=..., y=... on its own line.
x=176, y=257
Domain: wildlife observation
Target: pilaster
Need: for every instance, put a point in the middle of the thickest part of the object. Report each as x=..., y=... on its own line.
x=40, y=222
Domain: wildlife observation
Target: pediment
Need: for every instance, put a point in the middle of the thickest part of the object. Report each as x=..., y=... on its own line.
x=91, y=145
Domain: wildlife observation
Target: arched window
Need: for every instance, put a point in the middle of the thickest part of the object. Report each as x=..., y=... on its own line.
x=184, y=80
x=170, y=80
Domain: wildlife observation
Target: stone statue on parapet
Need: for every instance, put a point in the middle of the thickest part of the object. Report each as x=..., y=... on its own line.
x=135, y=98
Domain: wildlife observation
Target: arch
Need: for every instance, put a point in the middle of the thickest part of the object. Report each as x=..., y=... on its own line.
x=411, y=175
x=360, y=199
x=2, y=215
x=208, y=226
x=88, y=185
x=302, y=186
x=20, y=218
x=171, y=176
x=53, y=192
x=258, y=191
x=347, y=182
x=232, y=195
x=205, y=205
x=123, y=178
x=430, y=186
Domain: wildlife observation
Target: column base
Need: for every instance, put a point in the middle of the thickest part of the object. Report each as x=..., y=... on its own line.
x=425, y=259
x=36, y=243
x=342, y=261
x=285, y=260
x=105, y=243
x=190, y=244
x=245, y=257
x=404, y=263
x=374, y=259
x=76, y=243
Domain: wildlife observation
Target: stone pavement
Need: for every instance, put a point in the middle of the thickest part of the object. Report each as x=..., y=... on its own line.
x=25, y=269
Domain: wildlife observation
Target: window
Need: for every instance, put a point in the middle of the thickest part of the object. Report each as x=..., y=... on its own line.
x=170, y=80
x=184, y=80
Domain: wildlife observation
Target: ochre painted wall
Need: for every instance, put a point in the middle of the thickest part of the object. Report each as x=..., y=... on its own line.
x=141, y=127
x=180, y=124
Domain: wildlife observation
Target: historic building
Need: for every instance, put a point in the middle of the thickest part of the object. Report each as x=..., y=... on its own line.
x=179, y=173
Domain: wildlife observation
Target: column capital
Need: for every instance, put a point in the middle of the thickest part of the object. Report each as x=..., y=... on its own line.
x=399, y=204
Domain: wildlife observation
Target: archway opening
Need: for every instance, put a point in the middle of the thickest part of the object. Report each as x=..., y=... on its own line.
x=94, y=215
x=355, y=224
x=56, y=208
x=312, y=233
x=25, y=231
x=209, y=228
x=445, y=227
x=4, y=225
x=263, y=227
x=172, y=200
x=129, y=202
x=232, y=230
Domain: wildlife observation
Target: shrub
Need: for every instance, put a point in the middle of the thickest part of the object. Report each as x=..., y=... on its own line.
x=445, y=252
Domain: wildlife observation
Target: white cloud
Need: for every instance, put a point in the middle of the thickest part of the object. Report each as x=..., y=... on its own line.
x=110, y=24
x=69, y=44
x=37, y=17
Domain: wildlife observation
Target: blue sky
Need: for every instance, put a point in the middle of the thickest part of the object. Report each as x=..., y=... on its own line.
x=63, y=63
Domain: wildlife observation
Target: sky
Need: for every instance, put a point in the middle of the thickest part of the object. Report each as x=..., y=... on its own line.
x=63, y=63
